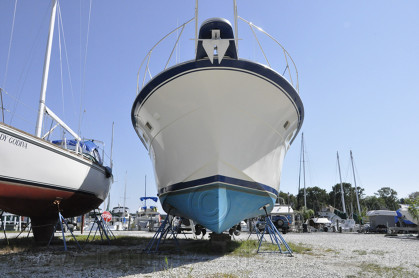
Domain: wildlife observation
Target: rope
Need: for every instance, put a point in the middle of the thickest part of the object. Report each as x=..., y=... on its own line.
x=10, y=45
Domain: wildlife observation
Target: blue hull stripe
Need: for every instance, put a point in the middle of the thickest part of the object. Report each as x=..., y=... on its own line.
x=217, y=179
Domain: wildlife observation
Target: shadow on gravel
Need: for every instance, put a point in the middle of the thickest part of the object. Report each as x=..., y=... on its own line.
x=403, y=236
x=123, y=256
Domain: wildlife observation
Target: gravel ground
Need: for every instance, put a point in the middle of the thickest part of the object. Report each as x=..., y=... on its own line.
x=328, y=255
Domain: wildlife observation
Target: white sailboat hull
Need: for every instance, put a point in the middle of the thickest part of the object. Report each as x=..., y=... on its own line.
x=34, y=173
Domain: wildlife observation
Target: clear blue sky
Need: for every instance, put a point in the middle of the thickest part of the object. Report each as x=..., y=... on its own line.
x=358, y=64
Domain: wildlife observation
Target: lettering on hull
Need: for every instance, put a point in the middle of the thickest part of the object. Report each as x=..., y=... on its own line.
x=13, y=141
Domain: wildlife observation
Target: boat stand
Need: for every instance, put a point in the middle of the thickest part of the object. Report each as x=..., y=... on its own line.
x=275, y=236
x=4, y=227
x=103, y=229
x=28, y=225
x=60, y=221
x=165, y=228
x=256, y=231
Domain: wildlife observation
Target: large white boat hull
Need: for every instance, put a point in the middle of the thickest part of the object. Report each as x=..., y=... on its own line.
x=217, y=136
x=34, y=173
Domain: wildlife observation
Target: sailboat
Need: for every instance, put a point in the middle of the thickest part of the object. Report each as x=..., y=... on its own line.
x=38, y=178
x=217, y=127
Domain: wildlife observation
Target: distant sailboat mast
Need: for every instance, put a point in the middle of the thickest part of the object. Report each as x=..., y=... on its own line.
x=125, y=196
x=341, y=185
x=145, y=191
x=302, y=161
x=356, y=189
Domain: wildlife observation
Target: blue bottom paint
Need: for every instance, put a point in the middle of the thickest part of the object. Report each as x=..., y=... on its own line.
x=217, y=206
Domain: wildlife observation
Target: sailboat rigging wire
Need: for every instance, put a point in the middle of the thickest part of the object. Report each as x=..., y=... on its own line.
x=2, y=109
x=61, y=61
x=17, y=100
x=84, y=68
x=10, y=46
x=67, y=61
x=24, y=73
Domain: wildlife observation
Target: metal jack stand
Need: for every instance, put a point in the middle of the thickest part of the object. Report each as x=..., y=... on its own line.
x=255, y=230
x=28, y=225
x=60, y=221
x=4, y=228
x=103, y=229
x=165, y=228
x=274, y=235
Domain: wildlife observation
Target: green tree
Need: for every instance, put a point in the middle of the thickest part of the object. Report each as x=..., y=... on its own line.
x=388, y=197
x=413, y=207
x=288, y=198
x=306, y=213
x=335, y=196
x=413, y=203
x=372, y=203
x=316, y=198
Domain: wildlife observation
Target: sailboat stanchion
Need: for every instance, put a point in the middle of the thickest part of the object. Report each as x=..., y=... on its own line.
x=161, y=233
x=275, y=237
x=60, y=222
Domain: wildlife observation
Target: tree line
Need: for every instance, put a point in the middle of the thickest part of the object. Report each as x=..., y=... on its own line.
x=384, y=199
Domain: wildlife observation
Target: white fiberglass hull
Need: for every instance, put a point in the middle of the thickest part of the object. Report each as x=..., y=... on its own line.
x=34, y=173
x=226, y=127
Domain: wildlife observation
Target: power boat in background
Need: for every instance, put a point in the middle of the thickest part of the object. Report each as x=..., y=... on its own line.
x=38, y=177
x=381, y=220
x=406, y=217
x=283, y=216
x=218, y=127
x=405, y=222
x=147, y=216
x=339, y=219
x=121, y=218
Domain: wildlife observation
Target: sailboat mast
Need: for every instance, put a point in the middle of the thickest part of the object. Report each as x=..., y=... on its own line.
x=111, y=162
x=356, y=189
x=46, y=71
x=236, y=31
x=145, y=191
x=341, y=186
x=196, y=26
x=304, y=171
x=125, y=196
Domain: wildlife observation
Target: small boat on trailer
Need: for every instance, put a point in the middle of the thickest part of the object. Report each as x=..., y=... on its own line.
x=217, y=129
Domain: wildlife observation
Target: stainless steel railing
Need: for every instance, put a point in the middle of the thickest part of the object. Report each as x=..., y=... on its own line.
x=290, y=71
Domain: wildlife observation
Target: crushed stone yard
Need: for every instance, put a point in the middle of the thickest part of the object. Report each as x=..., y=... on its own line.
x=315, y=255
